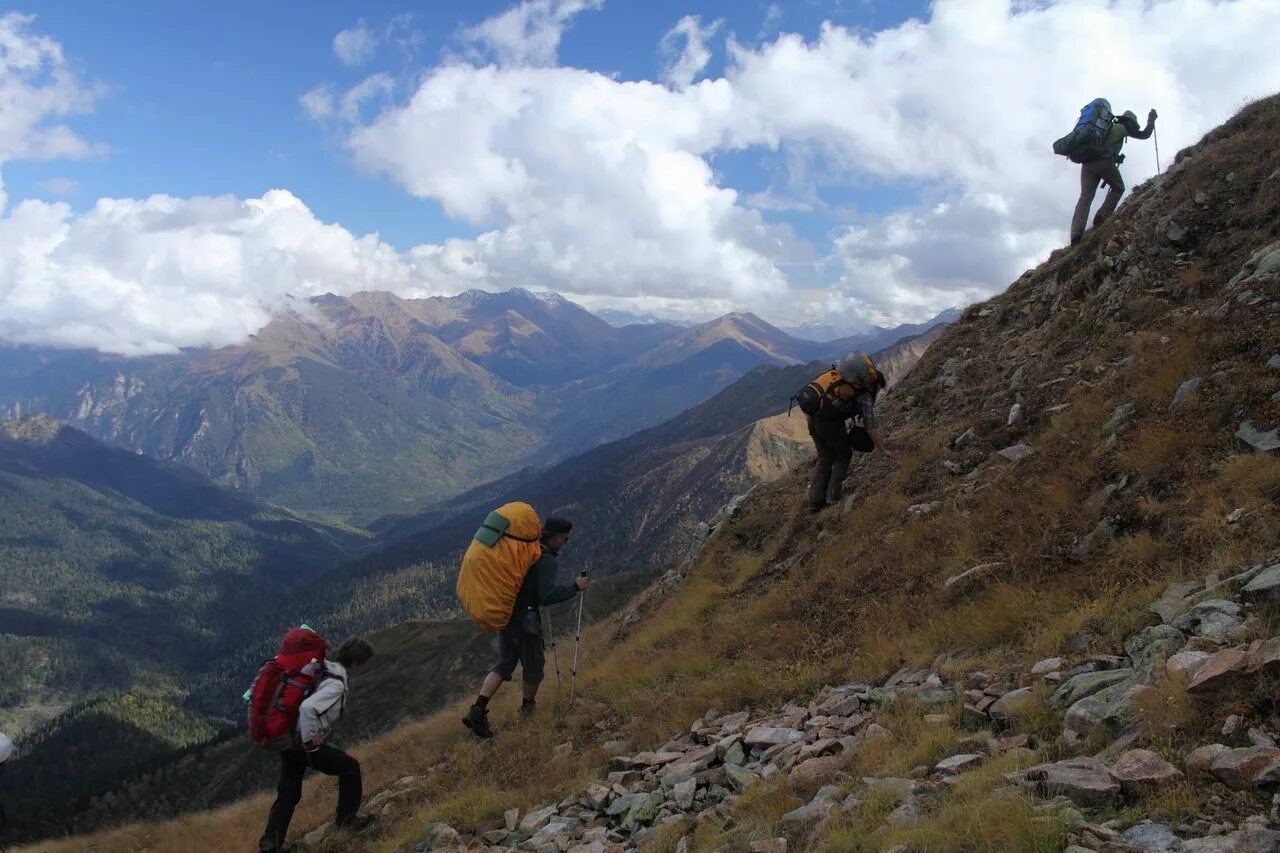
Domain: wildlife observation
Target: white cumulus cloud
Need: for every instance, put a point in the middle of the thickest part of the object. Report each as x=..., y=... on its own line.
x=140, y=276
x=685, y=47
x=37, y=87
x=528, y=33
x=355, y=46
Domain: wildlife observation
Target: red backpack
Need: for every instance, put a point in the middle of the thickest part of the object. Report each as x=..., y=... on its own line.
x=281, y=685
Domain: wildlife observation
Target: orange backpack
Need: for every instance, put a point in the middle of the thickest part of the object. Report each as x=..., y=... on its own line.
x=501, y=553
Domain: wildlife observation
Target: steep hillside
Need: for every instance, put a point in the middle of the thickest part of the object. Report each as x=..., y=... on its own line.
x=1104, y=428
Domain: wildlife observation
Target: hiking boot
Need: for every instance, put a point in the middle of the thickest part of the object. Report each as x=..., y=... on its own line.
x=477, y=719
x=528, y=710
x=816, y=508
x=357, y=822
x=266, y=845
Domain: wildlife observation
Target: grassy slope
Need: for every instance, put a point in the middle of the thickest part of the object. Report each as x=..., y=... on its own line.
x=780, y=603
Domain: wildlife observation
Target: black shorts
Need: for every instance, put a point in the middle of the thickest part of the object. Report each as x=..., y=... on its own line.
x=515, y=645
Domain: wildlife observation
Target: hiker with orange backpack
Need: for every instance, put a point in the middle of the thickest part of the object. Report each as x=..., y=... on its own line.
x=520, y=639
x=845, y=392
x=294, y=703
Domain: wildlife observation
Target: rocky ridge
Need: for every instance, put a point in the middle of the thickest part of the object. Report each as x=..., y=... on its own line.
x=1206, y=637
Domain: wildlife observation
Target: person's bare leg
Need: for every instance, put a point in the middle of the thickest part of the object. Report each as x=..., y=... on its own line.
x=492, y=682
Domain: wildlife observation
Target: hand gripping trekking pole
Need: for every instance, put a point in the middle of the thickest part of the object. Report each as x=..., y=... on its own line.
x=577, y=641
x=555, y=656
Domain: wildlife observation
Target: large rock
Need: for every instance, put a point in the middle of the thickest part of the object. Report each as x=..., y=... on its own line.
x=1247, y=768
x=534, y=821
x=1121, y=416
x=1221, y=669
x=1185, y=390
x=1265, y=585
x=1141, y=772
x=1086, y=684
x=1085, y=781
x=808, y=815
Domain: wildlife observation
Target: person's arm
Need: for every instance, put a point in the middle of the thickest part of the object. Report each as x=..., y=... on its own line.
x=549, y=592
x=866, y=403
x=313, y=728
x=1146, y=132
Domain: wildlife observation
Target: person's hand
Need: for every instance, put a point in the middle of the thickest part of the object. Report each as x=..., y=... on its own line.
x=316, y=742
x=582, y=582
x=1152, y=116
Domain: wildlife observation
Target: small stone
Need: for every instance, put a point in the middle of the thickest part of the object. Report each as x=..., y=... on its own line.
x=1258, y=737
x=1047, y=666
x=1018, y=452
x=1086, y=684
x=511, y=817
x=1085, y=781
x=1184, y=665
x=1015, y=415
x=1013, y=705
x=1185, y=390
x=1174, y=600
x=1258, y=440
x=317, y=836
x=769, y=845
x=958, y=764
x=964, y=439
x=1119, y=418
x=534, y=821
x=970, y=579
x=1141, y=772
x=684, y=792
x=1200, y=760
x=1232, y=726
x=772, y=735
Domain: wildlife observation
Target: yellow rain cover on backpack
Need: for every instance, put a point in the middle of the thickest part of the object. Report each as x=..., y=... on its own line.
x=500, y=554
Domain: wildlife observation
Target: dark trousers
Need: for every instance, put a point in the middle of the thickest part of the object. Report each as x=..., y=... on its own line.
x=293, y=766
x=1092, y=173
x=834, y=454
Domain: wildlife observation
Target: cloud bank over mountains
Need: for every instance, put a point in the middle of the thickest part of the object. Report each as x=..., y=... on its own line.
x=613, y=190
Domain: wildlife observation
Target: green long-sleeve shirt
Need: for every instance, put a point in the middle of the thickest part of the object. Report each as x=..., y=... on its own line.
x=1119, y=133
x=540, y=588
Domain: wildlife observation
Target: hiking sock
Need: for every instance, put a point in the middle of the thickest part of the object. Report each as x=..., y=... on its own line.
x=482, y=702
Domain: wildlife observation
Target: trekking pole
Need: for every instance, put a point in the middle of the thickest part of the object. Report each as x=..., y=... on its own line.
x=577, y=641
x=555, y=655
x=1156, y=137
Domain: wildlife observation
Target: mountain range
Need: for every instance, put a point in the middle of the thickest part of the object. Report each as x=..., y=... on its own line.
x=357, y=407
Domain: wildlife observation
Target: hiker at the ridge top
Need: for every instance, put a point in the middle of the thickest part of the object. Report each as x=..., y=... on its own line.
x=1105, y=168
x=521, y=642
x=846, y=392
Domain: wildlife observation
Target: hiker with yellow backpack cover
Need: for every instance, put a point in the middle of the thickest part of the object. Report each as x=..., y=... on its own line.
x=508, y=573
x=845, y=392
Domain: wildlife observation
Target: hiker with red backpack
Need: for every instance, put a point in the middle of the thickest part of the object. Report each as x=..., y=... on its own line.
x=1095, y=144
x=520, y=639
x=845, y=392
x=294, y=703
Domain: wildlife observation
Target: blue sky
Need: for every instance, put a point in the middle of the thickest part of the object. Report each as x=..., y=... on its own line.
x=176, y=173
x=202, y=99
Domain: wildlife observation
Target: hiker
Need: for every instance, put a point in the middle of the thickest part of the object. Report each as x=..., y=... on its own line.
x=521, y=641
x=1105, y=168
x=846, y=392
x=317, y=716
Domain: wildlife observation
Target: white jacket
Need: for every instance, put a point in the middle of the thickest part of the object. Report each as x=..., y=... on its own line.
x=322, y=709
